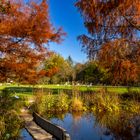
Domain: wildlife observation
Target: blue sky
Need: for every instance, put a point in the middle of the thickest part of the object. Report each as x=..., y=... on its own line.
x=64, y=14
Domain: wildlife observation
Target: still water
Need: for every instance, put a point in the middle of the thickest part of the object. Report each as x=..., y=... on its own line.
x=82, y=127
x=24, y=135
x=87, y=126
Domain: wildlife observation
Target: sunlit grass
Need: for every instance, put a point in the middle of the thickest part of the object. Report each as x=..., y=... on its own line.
x=27, y=90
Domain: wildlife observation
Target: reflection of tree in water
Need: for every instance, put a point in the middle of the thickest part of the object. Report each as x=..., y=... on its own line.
x=122, y=126
x=76, y=123
x=79, y=119
x=58, y=115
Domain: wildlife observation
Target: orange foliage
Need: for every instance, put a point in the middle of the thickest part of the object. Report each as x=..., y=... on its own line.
x=52, y=71
x=24, y=31
x=107, y=20
x=117, y=57
x=113, y=27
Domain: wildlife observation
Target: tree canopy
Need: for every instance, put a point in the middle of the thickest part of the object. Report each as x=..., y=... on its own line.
x=120, y=60
x=59, y=69
x=113, y=36
x=108, y=20
x=25, y=31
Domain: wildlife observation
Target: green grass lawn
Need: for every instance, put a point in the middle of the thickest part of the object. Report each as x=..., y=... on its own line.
x=117, y=89
x=27, y=90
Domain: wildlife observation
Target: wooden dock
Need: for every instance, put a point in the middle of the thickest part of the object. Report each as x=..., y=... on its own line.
x=35, y=131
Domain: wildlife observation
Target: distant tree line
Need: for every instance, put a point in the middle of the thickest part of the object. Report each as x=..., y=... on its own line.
x=93, y=72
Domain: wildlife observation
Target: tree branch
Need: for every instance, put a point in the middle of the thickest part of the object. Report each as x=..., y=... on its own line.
x=132, y=24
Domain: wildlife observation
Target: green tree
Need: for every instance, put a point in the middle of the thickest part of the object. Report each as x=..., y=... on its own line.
x=71, y=69
x=62, y=68
x=91, y=72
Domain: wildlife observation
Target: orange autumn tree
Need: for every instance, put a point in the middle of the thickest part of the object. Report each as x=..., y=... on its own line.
x=25, y=32
x=112, y=25
x=116, y=57
x=107, y=20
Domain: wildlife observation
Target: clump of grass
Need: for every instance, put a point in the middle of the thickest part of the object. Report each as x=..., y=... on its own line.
x=61, y=102
x=10, y=124
x=56, y=103
x=104, y=101
x=131, y=106
x=39, y=104
x=76, y=104
x=2, y=127
x=51, y=103
x=14, y=127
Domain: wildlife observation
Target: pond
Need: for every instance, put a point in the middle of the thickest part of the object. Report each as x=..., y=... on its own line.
x=87, y=126
x=24, y=135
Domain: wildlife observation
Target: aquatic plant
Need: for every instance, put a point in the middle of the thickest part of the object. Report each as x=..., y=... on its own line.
x=131, y=106
x=101, y=101
x=61, y=102
x=50, y=102
x=104, y=101
x=76, y=104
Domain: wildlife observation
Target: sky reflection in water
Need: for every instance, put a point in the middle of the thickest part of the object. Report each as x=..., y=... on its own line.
x=82, y=127
x=86, y=126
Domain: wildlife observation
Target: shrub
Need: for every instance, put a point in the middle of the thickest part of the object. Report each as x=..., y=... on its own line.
x=49, y=101
x=10, y=125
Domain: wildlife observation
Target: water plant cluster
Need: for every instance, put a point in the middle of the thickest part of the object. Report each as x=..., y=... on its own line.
x=56, y=103
x=101, y=101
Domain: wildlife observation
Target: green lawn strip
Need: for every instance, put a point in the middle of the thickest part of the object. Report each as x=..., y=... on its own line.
x=28, y=89
x=116, y=89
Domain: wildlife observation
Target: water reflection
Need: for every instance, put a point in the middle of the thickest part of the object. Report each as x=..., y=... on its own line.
x=24, y=135
x=80, y=126
x=123, y=126
x=89, y=126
